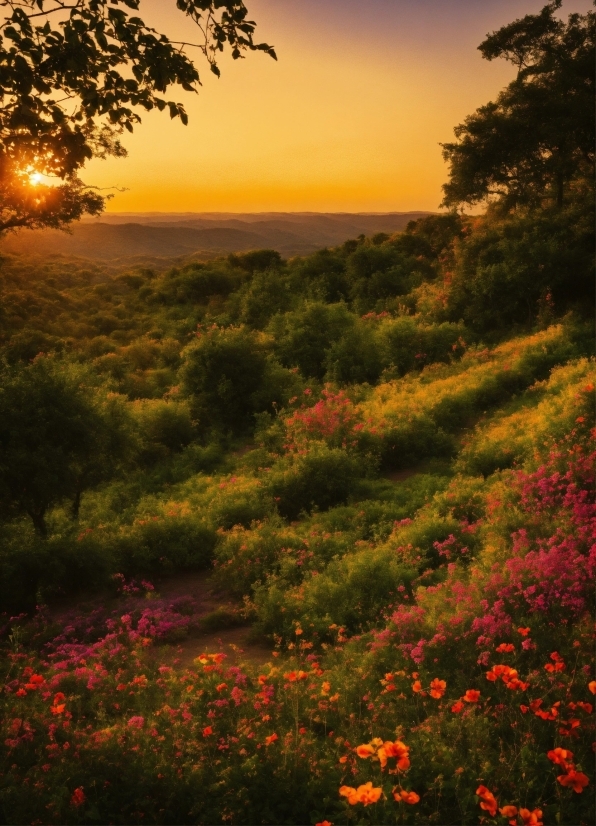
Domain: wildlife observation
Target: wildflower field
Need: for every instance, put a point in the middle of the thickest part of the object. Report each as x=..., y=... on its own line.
x=380, y=460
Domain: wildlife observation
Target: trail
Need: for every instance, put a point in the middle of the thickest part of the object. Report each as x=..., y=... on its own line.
x=235, y=642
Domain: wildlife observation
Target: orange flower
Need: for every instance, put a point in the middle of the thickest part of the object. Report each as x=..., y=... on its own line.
x=561, y=757
x=457, y=707
x=587, y=707
x=262, y=679
x=207, y=731
x=577, y=780
x=271, y=739
x=471, y=695
x=552, y=667
x=324, y=823
x=364, y=751
x=326, y=687
x=523, y=631
x=295, y=676
x=488, y=801
x=508, y=811
x=398, y=750
x=57, y=709
x=437, y=688
x=59, y=698
x=416, y=686
x=406, y=797
x=364, y=794
x=505, y=648
x=221, y=687
x=592, y=687
x=531, y=818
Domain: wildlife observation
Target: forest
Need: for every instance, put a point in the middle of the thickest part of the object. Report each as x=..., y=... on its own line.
x=380, y=455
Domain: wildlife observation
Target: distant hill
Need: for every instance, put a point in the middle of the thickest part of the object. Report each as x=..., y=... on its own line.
x=171, y=235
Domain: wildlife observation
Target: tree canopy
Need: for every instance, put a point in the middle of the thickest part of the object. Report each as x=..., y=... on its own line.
x=536, y=141
x=73, y=77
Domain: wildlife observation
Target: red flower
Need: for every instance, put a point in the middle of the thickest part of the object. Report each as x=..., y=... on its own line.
x=577, y=780
x=592, y=687
x=271, y=739
x=457, y=707
x=207, y=731
x=505, y=648
x=523, y=631
x=471, y=695
x=78, y=797
x=561, y=757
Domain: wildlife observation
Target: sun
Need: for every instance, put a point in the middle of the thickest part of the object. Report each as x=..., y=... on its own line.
x=35, y=178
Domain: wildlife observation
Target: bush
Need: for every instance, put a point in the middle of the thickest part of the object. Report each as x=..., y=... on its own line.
x=321, y=478
x=222, y=373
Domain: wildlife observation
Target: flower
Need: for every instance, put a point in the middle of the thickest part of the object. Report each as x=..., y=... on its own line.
x=508, y=811
x=406, y=797
x=471, y=695
x=365, y=794
x=21, y=692
x=416, y=686
x=437, y=688
x=271, y=739
x=592, y=687
x=136, y=722
x=324, y=823
x=562, y=757
x=577, y=780
x=364, y=751
x=488, y=801
x=531, y=818
x=523, y=631
x=398, y=750
x=207, y=731
x=505, y=648
x=295, y=676
x=457, y=707
x=58, y=708
x=78, y=797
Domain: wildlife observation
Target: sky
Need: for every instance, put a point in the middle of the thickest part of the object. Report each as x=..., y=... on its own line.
x=349, y=119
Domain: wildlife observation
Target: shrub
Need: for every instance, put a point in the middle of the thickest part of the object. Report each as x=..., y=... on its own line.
x=321, y=478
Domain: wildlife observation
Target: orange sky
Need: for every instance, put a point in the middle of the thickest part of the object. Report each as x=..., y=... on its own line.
x=349, y=119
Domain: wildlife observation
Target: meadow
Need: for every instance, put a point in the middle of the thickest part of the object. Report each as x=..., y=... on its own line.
x=296, y=538
x=394, y=495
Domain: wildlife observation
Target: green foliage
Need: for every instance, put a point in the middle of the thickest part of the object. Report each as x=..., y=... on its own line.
x=537, y=140
x=303, y=337
x=321, y=478
x=58, y=433
x=223, y=373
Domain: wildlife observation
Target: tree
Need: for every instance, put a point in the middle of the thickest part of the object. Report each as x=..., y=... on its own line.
x=536, y=142
x=74, y=75
x=58, y=435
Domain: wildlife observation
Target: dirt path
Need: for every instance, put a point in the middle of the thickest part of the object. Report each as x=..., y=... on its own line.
x=234, y=642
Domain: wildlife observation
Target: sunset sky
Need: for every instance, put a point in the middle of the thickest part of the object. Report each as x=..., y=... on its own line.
x=349, y=119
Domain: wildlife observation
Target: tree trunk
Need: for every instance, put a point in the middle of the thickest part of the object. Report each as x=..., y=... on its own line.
x=76, y=504
x=39, y=522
